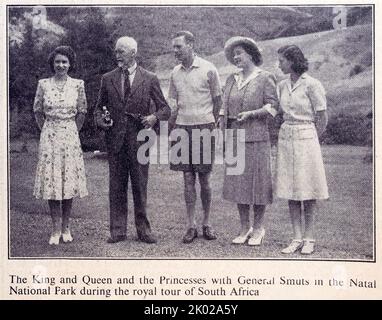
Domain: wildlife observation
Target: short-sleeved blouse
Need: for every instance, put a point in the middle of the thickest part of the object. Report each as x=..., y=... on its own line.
x=58, y=104
x=303, y=100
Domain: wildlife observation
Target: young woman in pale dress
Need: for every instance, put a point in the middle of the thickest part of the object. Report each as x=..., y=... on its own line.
x=60, y=108
x=300, y=173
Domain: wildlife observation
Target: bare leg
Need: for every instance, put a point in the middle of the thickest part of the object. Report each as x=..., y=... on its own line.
x=66, y=211
x=295, y=215
x=258, y=219
x=190, y=197
x=244, y=218
x=55, y=213
x=309, y=212
x=205, y=196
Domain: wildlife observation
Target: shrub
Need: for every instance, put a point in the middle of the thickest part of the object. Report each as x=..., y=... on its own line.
x=348, y=129
x=356, y=70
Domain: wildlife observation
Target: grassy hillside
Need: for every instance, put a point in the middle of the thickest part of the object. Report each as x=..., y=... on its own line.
x=154, y=26
x=341, y=59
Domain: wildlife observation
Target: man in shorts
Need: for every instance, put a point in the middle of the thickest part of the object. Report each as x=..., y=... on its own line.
x=195, y=95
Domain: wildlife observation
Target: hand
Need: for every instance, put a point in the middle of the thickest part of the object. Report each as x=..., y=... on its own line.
x=245, y=115
x=220, y=123
x=320, y=130
x=102, y=124
x=149, y=121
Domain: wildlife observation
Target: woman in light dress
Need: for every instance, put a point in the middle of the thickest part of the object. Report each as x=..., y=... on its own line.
x=60, y=108
x=250, y=98
x=300, y=173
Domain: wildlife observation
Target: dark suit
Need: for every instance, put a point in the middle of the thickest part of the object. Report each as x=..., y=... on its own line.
x=122, y=144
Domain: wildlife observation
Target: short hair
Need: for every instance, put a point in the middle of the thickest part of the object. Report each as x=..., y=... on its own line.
x=254, y=52
x=188, y=36
x=294, y=54
x=128, y=42
x=66, y=51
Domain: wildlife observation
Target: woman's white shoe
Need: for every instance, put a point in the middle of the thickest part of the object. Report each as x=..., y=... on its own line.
x=308, y=247
x=256, y=241
x=244, y=238
x=67, y=237
x=55, y=239
x=295, y=245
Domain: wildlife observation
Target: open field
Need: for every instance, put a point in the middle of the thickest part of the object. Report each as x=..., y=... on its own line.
x=344, y=226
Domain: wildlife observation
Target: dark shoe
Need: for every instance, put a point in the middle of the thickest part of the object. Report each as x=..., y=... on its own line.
x=147, y=237
x=191, y=234
x=116, y=239
x=209, y=233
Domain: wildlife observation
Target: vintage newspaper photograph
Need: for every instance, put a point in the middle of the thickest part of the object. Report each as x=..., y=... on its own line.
x=189, y=151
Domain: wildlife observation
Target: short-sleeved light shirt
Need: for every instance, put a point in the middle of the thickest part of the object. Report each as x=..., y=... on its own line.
x=193, y=90
x=303, y=100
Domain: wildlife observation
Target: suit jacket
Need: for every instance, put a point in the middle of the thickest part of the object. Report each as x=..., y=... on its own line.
x=145, y=98
x=261, y=91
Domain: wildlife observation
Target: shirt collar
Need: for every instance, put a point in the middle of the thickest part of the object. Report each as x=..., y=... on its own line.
x=195, y=63
x=132, y=69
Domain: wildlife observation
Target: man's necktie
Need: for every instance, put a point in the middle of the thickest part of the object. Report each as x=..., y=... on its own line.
x=126, y=84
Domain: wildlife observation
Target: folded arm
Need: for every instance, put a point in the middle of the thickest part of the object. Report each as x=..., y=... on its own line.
x=271, y=104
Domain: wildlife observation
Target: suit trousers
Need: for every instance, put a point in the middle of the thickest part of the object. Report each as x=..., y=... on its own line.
x=123, y=165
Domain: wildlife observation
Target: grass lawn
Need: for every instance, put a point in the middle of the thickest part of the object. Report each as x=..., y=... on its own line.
x=344, y=225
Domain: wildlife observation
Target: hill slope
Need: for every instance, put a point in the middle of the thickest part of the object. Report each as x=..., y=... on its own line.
x=341, y=59
x=213, y=25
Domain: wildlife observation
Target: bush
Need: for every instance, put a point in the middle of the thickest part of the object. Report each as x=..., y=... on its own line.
x=356, y=70
x=342, y=129
x=348, y=129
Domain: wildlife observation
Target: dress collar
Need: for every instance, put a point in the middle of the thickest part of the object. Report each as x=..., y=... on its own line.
x=299, y=81
x=68, y=82
x=239, y=77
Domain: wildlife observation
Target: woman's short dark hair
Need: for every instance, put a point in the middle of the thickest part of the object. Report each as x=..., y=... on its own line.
x=254, y=52
x=66, y=51
x=294, y=54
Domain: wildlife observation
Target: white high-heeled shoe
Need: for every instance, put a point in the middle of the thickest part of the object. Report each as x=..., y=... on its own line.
x=244, y=238
x=55, y=239
x=256, y=241
x=295, y=245
x=67, y=236
x=308, y=247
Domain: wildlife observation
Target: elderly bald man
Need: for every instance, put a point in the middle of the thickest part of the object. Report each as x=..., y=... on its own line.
x=127, y=92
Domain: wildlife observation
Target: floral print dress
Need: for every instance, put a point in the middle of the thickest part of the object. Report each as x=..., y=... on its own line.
x=60, y=170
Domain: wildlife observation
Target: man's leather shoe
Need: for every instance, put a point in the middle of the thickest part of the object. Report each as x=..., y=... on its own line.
x=147, y=237
x=209, y=233
x=116, y=239
x=191, y=234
